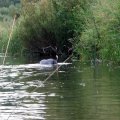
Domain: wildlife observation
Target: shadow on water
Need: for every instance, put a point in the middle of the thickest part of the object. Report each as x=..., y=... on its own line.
x=77, y=92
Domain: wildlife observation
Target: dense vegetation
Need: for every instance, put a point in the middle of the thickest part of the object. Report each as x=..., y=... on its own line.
x=7, y=3
x=90, y=27
x=8, y=8
x=50, y=22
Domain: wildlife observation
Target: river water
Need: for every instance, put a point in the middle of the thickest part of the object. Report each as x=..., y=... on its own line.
x=77, y=91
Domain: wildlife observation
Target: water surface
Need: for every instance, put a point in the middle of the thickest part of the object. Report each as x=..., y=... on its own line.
x=76, y=92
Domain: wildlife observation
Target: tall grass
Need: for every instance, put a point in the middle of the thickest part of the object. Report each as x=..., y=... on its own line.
x=6, y=18
x=102, y=31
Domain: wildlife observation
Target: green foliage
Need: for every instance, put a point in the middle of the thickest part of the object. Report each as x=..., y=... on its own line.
x=102, y=30
x=69, y=19
x=7, y=13
x=4, y=11
x=3, y=41
x=6, y=3
x=35, y=24
x=16, y=48
x=50, y=22
x=91, y=27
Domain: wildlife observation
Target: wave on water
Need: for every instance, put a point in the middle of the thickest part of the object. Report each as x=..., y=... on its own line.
x=36, y=65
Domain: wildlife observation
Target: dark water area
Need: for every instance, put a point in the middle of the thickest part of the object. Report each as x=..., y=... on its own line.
x=78, y=91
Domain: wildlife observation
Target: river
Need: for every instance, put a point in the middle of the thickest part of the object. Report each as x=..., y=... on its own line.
x=77, y=91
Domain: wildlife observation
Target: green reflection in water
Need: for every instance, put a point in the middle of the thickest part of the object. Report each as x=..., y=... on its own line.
x=86, y=93
x=78, y=92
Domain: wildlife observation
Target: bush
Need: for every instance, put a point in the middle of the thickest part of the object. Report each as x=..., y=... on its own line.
x=102, y=31
x=50, y=22
x=4, y=11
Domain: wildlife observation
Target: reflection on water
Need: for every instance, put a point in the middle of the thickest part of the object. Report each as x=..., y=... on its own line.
x=77, y=92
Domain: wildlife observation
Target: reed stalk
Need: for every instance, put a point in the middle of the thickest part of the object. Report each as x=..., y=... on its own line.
x=10, y=36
